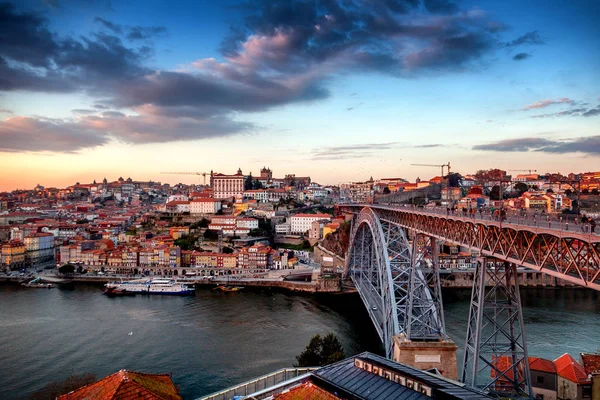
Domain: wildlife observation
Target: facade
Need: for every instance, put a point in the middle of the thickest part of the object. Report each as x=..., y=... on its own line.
x=544, y=380
x=301, y=223
x=227, y=186
x=258, y=256
x=356, y=192
x=39, y=247
x=202, y=206
x=13, y=254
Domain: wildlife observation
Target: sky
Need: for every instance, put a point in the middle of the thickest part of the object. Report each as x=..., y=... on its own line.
x=339, y=90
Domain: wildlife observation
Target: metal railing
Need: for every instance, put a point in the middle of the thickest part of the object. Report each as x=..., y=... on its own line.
x=260, y=383
x=557, y=222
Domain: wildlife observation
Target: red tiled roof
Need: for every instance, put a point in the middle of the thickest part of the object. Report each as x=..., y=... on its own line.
x=569, y=368
x=312, y=215
x=541, y=364
x=305, y=391
x=591, y=363
x=126, y=385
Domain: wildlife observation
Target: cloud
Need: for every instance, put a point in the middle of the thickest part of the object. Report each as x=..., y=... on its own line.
x=351, y=151
x=547, y=103
x=530, y=38
x=575, y=112
x=30, y=134
x=589, y=145
x=428, y=146
x=5, y=111
x=521, y=56
x=132, y=32
x=285, y=52
x=82, y=111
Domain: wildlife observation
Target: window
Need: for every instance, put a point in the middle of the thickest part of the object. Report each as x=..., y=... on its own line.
x=539, y=379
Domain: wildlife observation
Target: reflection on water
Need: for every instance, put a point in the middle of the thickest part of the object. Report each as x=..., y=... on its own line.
x=217, y=339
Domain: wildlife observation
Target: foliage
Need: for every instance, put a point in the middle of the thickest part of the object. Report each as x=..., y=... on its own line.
x=495, y=174
x=82, y=221
x=495, y=193
x=585, y=191
x=257, y=184
x=248, y=182
x=66, y=269
x=55, y=389
x=568, y=192
x=386, y=190
x=220, y=212
x=521, y=188
x=321, y=351
x=203, y=223
x=131, y=232
x=454, y=179
x=595, y=192
x=186, y=242
x=227, y=250
x=306, y=244
x=549, y=191
x=211, y=235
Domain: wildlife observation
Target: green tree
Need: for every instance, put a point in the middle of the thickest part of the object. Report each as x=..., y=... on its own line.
x=66, y=269
x=248, y=182
x=495, y=193
x=386, y=190
x=521, y=188
x=211, y=235
x=257, y=185
x=595, y=192
x=568, y=192
x=321, y=351
x=227, y=250
x=454, y=179
x=549, y=191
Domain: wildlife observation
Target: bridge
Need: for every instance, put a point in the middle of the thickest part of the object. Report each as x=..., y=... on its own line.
x=392, y=260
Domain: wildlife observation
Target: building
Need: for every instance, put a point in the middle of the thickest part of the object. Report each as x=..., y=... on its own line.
x=204, y=206
x=227, y=186
x=39, y=247
x=13, y=254
x=128, y=385
x=213, y=260
x=573, y=382
x=544, y=380
x=258, y=256
x=248, y=223
x=301, y=223
x=364, y=376
x=356, y=192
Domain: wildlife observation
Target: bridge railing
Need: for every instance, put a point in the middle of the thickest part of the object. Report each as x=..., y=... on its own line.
x=556, y=222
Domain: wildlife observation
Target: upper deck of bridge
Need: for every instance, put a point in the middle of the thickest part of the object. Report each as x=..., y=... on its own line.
x=559, y=225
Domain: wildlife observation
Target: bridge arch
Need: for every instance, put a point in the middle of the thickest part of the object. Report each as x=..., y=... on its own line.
x=390, y=275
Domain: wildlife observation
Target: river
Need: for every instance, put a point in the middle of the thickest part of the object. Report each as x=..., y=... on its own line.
x=214, y=339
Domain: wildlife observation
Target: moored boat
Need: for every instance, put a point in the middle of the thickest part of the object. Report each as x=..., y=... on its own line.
x=37, y=283
x=150, y=286
x=227, y=288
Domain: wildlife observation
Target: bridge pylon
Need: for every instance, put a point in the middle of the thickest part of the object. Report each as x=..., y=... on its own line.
x=495, y=356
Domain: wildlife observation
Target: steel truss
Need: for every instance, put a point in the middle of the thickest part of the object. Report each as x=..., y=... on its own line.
x=397, y=296
x=566, y=255
x=495, y=345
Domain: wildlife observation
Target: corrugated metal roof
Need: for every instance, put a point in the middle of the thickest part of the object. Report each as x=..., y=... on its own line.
x=366, y=385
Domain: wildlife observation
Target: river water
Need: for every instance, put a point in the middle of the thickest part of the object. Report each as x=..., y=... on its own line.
x=214, y=339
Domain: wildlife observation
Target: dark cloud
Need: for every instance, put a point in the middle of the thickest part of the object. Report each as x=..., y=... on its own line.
x=31, y=134
x=521, y=56
x=132, y=32
x=427, y=146
x=592, y=112
x=531, y=38
x=5, y=111
x=101, y=106
x=52, y=3
x=114, y=114
x=589, y=145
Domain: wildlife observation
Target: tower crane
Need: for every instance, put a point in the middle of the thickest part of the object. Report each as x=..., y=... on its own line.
x=436, y=165
x=188, y=173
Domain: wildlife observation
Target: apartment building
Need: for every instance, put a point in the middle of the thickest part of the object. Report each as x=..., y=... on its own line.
x=204, y=206
x=227, y=186
x=301, y=223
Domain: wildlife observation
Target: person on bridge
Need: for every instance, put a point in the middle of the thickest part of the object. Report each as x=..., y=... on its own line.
x=592, y=225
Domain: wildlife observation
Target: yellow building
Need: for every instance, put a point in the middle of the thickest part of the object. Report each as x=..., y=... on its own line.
x=13, y=254
x=330, y=228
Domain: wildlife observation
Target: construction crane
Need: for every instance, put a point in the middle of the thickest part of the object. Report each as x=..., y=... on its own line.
x=436, y=165
x=189, y=173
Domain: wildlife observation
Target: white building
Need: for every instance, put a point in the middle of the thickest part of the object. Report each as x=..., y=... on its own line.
x=177, y=197
x=227, y=186
x=283, y=229
x=301, y=223
x=249, y=223
x=204, y=206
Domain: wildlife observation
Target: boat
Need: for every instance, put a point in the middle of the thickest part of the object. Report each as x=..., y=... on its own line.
x=227, y=288
x=37, y=283
x=116, y=292
x=149, y=286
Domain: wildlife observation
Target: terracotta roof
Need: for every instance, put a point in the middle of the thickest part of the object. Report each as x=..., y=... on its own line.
x=125, y=385
x=569, y=368
x=591, y=363
x=306, y=391
x=311, y=215
x=541, y=364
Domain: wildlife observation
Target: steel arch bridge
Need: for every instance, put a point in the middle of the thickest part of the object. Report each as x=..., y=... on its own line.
x=396, y=279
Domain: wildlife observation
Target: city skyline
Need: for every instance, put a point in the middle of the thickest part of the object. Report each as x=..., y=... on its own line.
x=338, y=92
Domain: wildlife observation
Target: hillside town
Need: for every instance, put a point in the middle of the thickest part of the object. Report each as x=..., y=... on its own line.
x=241, y=224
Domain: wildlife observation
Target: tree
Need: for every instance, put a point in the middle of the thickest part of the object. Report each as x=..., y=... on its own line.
x=595, y=192
x=219, y=212
x=248, y=182
x=227, y=250
x=306, y=245
x=257, y=184
x=568, y=192
x=495, y=193
x=521, y=188
x=585, y=191
x=211, y=235
x=386, y=190
x=66, y=269
x=321, y=351
x=549, y=191
x=454, y=179
x=55, y=389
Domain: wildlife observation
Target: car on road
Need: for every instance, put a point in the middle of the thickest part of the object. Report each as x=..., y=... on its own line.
x=374, y=308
